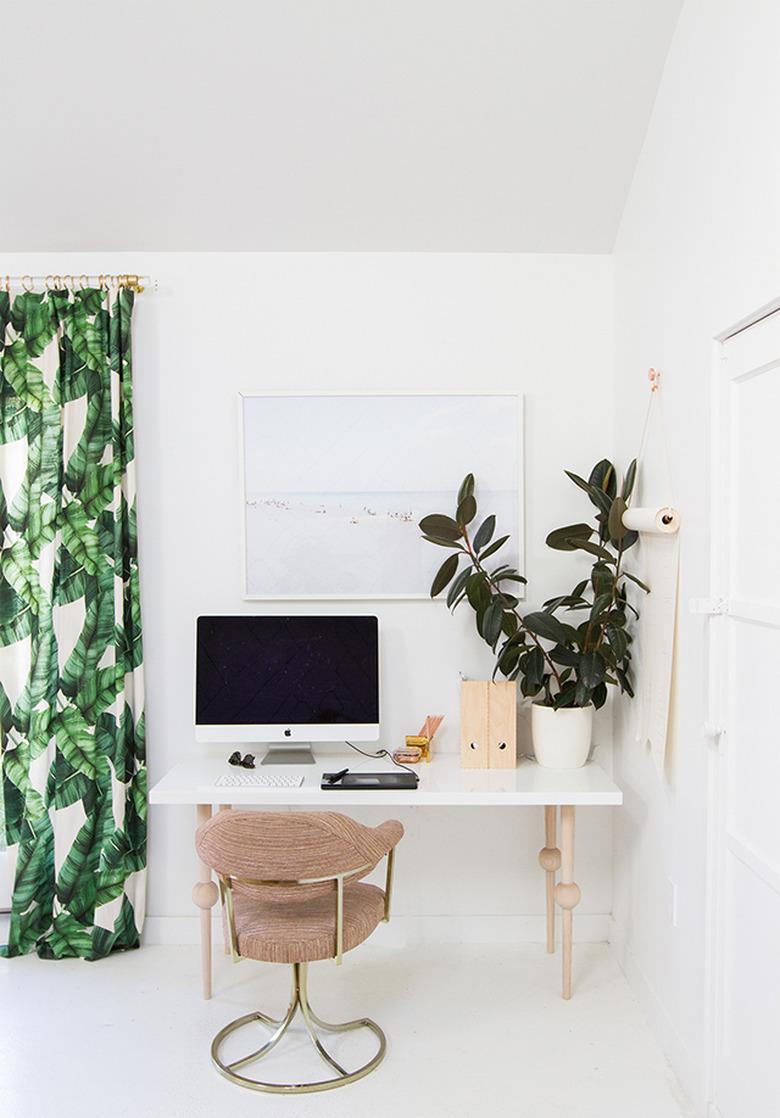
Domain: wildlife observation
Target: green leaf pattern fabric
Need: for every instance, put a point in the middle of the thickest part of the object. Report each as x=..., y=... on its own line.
x=73, y=803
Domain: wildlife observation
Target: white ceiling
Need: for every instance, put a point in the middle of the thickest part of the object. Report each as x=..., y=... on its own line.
x=430, y=125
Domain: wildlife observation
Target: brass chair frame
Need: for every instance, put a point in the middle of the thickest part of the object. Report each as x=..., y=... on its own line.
x=299, y=998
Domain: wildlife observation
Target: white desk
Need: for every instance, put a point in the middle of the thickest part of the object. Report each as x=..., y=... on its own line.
x=442, y=783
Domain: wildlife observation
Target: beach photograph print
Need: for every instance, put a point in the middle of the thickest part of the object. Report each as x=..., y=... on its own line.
x=335, y=487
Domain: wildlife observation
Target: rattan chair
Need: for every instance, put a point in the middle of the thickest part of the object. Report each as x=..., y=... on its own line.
x=291, y=893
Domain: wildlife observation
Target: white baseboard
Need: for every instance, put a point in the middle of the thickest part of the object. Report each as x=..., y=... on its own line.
x=412, y=930
x=671, y=1043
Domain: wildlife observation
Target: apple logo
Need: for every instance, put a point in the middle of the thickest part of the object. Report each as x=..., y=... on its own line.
x=288, y=733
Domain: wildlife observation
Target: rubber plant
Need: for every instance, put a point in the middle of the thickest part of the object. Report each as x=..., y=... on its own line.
x=560, y=661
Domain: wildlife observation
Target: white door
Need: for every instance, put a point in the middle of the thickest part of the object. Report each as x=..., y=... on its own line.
x=746, y=581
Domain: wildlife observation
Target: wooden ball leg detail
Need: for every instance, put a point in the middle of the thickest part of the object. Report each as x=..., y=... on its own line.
x=205, y=894
x=550, y=861
x=567, y=892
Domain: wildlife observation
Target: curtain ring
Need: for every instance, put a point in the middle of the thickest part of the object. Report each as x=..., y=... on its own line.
x=48, y=282
x=24, y=283
x=67, y=283
x=83, y=282
x=8, y=284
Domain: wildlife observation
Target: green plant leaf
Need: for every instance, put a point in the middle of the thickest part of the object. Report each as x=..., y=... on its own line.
x=578, y=481
x=507, y=661
x=638, y=581
x=510, y=624
x=545, y=625
x=628, y=481
x=600, y=606
x=603, y=503
x=615, y=524
x=440, y=526
x=444, y=574
x=561, y=538
x=582, y=694
x=532, y=667
x=440, y=542
x=466, y=488
x=566, y=656
x=467, y=510
x=599, y=696
x=625, y=684
x=592, y=668
x=484, y=533
x=618, y=641
x=565, y=697
x=602, y=578
x=496, y=544
x=477, y=591
x=594, y=549
x=458, y=585
x=602, y=477
x=491, y=622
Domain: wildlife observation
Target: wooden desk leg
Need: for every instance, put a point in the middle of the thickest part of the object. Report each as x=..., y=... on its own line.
x=225, y=944
x=205, y=895
x=550, y=861
x=567, y=892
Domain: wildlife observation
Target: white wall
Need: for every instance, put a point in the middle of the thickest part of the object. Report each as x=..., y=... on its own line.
x=698, y=249
x=541, y=325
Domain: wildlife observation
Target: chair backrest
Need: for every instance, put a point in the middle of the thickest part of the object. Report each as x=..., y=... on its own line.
x=291, y=847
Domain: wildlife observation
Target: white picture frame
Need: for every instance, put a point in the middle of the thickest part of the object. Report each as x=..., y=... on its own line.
x=334, y=539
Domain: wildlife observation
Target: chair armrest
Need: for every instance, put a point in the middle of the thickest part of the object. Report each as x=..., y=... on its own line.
x=389, y=834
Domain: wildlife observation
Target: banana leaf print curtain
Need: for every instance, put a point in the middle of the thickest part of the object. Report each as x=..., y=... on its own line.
x=71, y=674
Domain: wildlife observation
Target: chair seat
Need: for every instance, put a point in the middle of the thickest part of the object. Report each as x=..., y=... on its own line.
x=302, y=931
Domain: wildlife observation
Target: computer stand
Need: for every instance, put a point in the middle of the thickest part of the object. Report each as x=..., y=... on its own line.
x=298, y=754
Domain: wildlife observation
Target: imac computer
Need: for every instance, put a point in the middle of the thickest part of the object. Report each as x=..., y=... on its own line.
x=287, y=681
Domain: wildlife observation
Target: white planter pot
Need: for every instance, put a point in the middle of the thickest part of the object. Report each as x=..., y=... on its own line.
x=561, y=738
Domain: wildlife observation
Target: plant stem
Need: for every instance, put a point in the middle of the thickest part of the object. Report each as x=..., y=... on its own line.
x=477, y=564
x=603, y=626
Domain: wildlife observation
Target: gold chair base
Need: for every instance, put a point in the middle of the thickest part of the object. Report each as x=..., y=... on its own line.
x=298, y=1000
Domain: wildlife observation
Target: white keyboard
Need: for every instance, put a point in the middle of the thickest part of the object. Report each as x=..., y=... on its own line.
x=258, y=780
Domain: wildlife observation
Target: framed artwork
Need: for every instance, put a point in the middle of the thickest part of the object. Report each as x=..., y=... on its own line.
x=334, y=487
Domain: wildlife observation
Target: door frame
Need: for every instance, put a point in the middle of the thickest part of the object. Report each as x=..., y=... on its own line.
x=714, y=719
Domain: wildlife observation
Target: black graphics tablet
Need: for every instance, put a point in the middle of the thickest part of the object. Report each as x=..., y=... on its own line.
x=370, y=782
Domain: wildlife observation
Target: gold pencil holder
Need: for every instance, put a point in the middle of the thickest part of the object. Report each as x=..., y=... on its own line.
x=419, y=741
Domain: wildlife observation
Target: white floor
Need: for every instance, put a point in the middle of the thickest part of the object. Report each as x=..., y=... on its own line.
x=472, y=1031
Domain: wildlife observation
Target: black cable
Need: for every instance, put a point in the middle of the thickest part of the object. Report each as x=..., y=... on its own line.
x=379, y=755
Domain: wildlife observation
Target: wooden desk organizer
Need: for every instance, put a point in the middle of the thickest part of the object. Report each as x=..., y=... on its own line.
x=488, y=724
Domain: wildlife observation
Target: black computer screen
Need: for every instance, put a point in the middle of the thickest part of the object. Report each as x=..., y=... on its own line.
x=287, y=671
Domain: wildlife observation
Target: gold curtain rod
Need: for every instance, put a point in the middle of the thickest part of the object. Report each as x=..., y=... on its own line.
x=54, y=282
